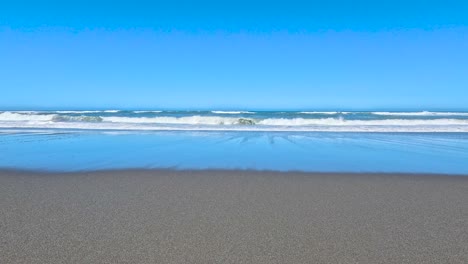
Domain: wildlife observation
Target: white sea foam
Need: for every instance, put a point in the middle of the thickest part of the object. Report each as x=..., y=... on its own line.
x=423, y=113
x=17, y=116
x=218, y=120
x=64, y=118
x=232, y=112
x=343, y=122
x=187, y=120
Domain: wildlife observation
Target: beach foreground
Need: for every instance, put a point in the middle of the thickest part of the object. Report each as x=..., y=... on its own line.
x=164, y=216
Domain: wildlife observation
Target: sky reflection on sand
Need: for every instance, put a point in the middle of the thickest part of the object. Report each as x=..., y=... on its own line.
x=323, y=152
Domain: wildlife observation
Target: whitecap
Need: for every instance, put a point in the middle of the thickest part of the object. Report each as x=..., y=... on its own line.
x=232, y=112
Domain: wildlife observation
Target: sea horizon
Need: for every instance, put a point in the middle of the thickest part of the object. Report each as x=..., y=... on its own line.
x=261, y=109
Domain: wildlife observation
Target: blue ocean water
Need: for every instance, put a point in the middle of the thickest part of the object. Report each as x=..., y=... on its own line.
x=415, y=142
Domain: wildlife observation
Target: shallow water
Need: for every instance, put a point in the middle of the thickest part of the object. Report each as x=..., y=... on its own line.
x=63, y=150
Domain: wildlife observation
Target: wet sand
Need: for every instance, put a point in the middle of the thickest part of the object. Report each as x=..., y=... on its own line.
x=164, y=216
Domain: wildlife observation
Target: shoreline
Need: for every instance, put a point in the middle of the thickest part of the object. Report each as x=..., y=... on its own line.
x=232, y=216
x=225, y=171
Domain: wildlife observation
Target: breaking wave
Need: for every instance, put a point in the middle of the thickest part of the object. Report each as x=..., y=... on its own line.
x=25, y=116
x=61, y=118
x=255, y=122
x=186, y=120
x=16, y=116
x=423, y=113
x=343, y=122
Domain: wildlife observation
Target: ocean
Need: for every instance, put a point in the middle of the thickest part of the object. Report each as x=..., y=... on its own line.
x=318, y=141
x=310, y=121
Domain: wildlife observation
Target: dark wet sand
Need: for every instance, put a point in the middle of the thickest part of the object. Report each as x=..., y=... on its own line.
x=232, y=217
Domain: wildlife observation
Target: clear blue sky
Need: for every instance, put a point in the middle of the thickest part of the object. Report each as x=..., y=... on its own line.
x=234, y=54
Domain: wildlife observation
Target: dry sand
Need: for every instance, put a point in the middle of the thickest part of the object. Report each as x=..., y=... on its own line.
x=161, y=216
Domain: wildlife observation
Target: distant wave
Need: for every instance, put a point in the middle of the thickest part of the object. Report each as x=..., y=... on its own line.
x=320, y=113
x=85, y=111
x=77, y=112
x=423, y=113
x=221, y=112
x=232, y=112
x=26, y=112
x=148, y=111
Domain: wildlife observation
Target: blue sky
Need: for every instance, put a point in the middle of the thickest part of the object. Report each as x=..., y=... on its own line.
x=234, y=54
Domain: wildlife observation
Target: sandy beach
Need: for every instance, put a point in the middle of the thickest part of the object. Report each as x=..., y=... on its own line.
x=163, y=216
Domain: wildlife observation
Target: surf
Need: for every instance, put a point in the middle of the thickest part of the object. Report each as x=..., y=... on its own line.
x=237, y=121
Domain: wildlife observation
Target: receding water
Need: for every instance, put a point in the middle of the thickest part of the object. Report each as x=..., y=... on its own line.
x=284, y=151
